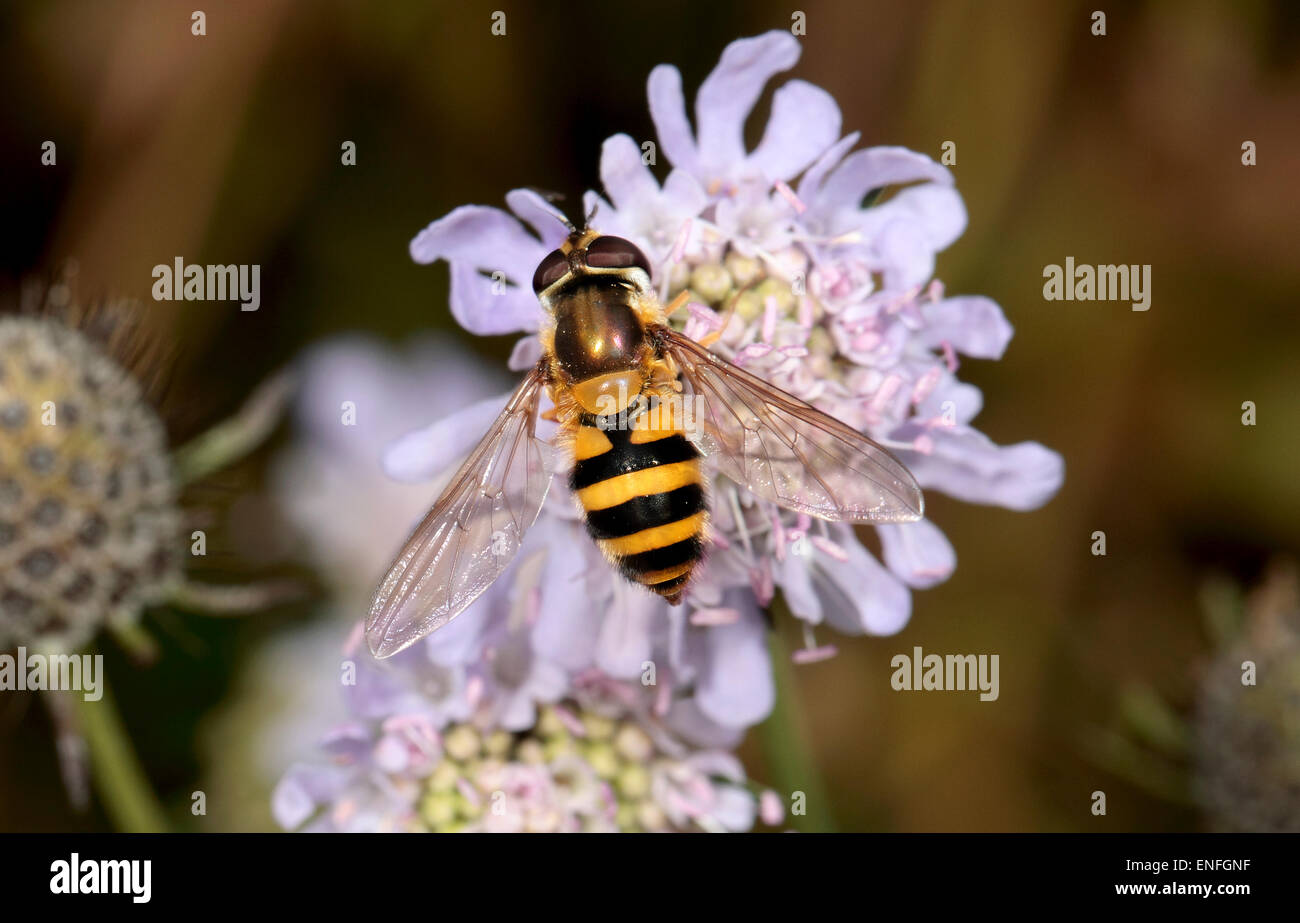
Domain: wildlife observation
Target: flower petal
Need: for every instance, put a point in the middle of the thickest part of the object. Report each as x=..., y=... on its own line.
x=858, y=594
x=486, y=306
x=476, y=239
x=460, y=641
x=936, y=211
x=735, y=686
x=683, y=196
x=303, y=788
x=606, y=216
x=627, y=631
x=973, y=325
x=668, y=111
x=693, y=726
x=565, y=633
x=526, y=353
x=392, y=391
x=805, y=121
x=877, y=167
x=627, y=180
x=918, y=552
x=966, y=464
x=482, y=236
x=734, y=808
x=810, y=183
x=728, y=95
x=794, y=577
x=939, y=210
x=426, y=453
x=905, y=254
x=547, y=220
x=966, y=401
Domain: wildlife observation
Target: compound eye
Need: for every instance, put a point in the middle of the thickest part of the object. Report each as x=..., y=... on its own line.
x=615, y=253
x=550, y=271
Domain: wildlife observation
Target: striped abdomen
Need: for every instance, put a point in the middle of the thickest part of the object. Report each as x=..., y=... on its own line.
x=643, y=494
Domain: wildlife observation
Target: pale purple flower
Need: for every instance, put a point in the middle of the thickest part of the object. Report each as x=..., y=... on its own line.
x=355, y=396
x=811, y=288
x=600, y=761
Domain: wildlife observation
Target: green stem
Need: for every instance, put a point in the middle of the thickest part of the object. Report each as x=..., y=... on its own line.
x=119, y=779
x=234, y=438
x=787, y=750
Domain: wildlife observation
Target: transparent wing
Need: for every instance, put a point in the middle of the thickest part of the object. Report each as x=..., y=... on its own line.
x=785, y=451
x=472, y=532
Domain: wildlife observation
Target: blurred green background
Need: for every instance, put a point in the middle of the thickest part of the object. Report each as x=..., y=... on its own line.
x=1122, y=148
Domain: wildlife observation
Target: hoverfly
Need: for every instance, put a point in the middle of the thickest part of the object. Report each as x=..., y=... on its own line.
x=617, y=374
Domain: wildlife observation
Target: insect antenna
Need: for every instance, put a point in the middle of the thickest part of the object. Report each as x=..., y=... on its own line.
x=553, y=198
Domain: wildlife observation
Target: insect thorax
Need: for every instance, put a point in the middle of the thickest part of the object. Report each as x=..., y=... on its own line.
x=599, y=344
x=596, y=329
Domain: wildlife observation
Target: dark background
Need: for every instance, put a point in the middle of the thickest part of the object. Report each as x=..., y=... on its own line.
x=1122, y=148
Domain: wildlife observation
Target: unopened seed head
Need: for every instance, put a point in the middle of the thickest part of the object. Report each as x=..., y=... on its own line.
x=89, y=523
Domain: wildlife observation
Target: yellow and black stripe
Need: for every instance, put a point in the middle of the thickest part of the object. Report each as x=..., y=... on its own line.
x=643, y=493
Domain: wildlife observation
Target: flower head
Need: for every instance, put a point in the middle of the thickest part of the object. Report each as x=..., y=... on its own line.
x=598, y=761
x=824, y=288
x=1247, y=735
x=354, y=397
x=89, y=524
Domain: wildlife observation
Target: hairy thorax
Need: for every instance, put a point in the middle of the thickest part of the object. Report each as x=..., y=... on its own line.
x=600, y=345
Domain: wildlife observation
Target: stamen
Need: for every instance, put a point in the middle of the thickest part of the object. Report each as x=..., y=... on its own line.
x=949, y=355
x=715, y=616
x=769, y=318
x=679, y=245
x=474, y=691
x=806, y=312
x=468, y=791
x=752, y=351
x=762, y=582
x=778, y=536
x=885, y=393
x=664, y=693
x=865, y=342
x=570, y=721
x=705, y=315
x=770, y=808
x=926, y=384
x=810, y=652
x=829, y=548
x=734, y=501
x=788, y=194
